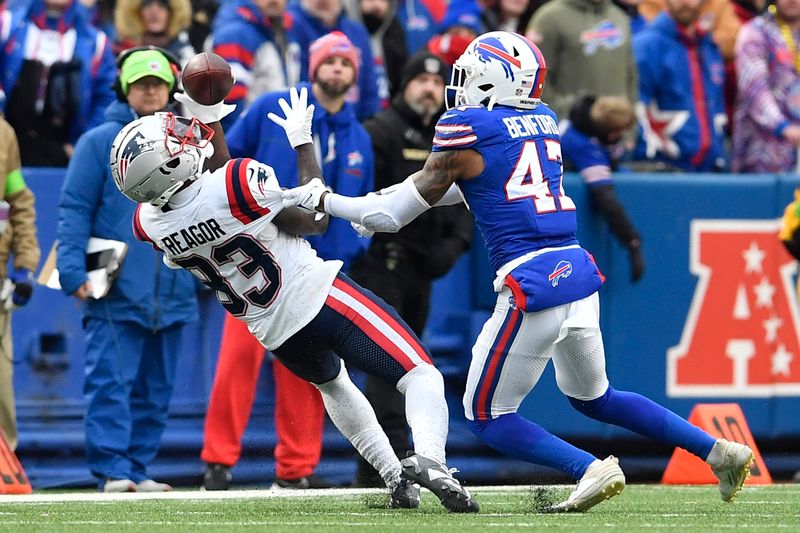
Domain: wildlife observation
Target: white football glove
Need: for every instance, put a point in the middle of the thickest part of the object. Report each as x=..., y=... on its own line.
x=297, y=123
x=205, y=113
x=306, y=197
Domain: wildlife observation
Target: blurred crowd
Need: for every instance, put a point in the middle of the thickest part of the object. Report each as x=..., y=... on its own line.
x=714, y=85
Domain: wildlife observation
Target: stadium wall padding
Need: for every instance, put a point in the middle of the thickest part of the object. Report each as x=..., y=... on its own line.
x=640, y=322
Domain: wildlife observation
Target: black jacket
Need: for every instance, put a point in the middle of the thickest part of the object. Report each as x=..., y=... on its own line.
x=401, y=143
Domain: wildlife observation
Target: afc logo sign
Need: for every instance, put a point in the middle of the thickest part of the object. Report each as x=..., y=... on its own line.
x=740, y=337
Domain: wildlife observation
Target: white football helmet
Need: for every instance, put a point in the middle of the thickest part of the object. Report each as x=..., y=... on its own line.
x=153, y=156
x=498, y=67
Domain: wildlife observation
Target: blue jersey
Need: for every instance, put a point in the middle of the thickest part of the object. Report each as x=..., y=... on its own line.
x=519, y=202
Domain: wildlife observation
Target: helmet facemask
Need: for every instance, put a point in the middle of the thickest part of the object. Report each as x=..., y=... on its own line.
x=186, y=132
x=464, y=69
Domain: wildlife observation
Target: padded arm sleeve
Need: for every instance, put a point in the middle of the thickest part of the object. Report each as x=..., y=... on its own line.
x=380, y=212
x=451, y=197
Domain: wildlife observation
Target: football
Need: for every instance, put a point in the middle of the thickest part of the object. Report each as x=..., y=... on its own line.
x=207, y=78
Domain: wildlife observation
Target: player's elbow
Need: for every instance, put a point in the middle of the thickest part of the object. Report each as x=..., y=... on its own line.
x=294, y=221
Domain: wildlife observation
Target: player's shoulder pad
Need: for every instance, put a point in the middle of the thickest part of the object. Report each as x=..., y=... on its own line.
x=139, y=223
x=252, y=189
x=251, y=174
x=457, y=129
x=462, y=113
x=465, y=127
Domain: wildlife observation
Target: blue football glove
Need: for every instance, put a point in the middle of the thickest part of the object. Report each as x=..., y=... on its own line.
x=23, y=286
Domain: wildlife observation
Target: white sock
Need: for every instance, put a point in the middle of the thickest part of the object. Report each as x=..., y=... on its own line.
x=426, y=410
x=353, y=416
x=717, y=454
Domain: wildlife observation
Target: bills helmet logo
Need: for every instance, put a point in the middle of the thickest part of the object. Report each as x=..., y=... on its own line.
x=562, y=270
x=491, y=49
x=740, y=337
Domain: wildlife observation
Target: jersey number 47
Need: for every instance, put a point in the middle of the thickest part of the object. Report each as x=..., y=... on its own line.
x=529, y=180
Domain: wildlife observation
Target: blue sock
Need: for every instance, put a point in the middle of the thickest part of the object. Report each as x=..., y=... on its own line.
x=644, y=416
x=518, y=437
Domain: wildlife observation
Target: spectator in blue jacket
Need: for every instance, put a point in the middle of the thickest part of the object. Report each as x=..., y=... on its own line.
x=420, y=20
x=258, y=39
x=56, y=72
x=133, y=334
x=681, y=107
x=315, y=18
x=343, y=146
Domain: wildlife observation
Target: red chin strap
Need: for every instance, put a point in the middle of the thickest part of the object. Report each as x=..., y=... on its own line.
x=187, y=132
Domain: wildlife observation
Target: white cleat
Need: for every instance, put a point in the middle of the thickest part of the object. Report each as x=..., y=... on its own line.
x=404, y=495
x=730, y=462
x=602, y=480
x=439, y=479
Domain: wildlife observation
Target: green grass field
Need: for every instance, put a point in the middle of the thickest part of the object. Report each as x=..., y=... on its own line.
x=638, y=508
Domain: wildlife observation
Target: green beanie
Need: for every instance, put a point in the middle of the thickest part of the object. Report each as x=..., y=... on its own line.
x=145, y=63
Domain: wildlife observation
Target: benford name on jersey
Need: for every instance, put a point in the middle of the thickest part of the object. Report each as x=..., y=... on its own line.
x=530, y=125
x=192, y=237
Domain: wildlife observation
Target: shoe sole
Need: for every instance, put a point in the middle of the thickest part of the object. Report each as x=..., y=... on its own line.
x=453, y=501
x=608, y=492
x=406, y=503
x=403, y=505
x=744, y=473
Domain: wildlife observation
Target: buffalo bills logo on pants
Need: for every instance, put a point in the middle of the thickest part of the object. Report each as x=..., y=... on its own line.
x=563, y=270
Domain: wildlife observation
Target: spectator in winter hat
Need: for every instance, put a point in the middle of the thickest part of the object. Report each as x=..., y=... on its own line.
x=335, y=44
x=316, y=18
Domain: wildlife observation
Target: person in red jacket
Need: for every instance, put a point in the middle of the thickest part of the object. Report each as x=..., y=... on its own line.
x=299, y=414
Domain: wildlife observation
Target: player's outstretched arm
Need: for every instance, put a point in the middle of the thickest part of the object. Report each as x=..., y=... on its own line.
x=221, y=153
x=296, y=122
x=390, y=212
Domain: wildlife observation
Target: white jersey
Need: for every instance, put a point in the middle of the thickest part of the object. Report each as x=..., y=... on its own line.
x=225, y=236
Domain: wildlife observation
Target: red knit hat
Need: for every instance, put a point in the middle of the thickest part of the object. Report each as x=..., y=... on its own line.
x=333, y=44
